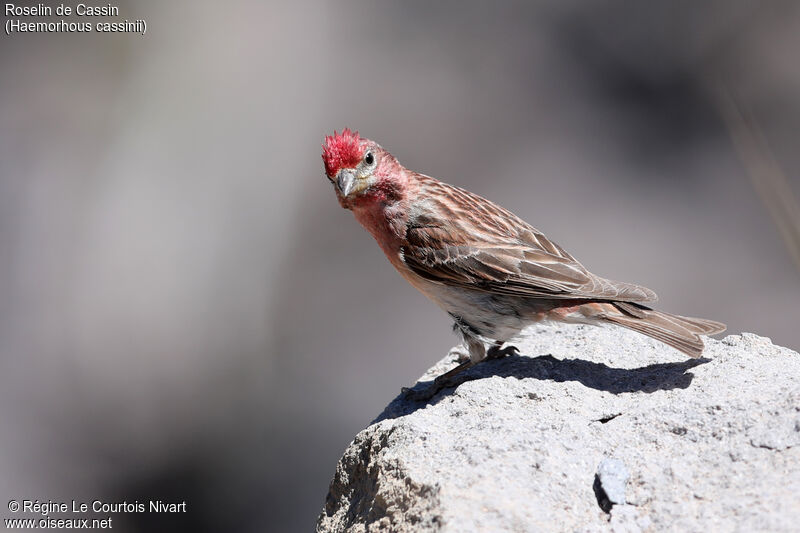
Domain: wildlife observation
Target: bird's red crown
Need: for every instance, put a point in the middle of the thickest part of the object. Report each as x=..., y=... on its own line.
x=341, y=150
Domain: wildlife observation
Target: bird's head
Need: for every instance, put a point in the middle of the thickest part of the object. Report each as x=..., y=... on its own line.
x=360, y=170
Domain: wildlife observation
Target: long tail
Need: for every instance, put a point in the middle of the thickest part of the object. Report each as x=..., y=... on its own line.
x=680, y=332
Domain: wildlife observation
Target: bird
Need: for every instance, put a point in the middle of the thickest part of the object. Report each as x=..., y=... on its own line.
x=491, y=271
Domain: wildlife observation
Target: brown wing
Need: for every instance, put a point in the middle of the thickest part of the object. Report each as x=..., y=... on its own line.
x=458, y=238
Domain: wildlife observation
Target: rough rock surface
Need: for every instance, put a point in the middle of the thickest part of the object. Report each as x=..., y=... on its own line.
x=526, y=442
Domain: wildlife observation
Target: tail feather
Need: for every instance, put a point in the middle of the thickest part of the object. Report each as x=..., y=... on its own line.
x=680, y=332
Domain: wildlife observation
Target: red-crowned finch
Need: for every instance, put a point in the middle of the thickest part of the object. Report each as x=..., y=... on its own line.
x=489, y=270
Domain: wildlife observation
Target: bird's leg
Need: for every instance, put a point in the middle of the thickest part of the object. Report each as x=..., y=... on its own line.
x=495, y=352
x=477, y=353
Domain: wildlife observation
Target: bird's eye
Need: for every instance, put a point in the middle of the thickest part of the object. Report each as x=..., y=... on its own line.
x=369, y=159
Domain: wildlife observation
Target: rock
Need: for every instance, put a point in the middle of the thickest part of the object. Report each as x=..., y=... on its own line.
x=609, y=483
x=708, y=444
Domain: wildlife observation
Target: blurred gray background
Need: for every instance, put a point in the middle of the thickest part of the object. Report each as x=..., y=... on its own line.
x=186, y=313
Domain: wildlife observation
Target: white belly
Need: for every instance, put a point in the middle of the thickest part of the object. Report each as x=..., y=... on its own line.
x=495, y=317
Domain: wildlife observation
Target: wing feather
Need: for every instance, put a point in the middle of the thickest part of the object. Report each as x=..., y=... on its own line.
x=458, y=238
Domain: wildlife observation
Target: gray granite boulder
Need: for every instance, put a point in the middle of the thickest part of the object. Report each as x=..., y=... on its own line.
x=589, y=429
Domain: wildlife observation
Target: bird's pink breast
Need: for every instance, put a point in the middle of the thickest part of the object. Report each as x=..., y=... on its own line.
x=387, y=226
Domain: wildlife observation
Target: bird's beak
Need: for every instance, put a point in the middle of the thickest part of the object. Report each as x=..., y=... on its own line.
x=345, y=181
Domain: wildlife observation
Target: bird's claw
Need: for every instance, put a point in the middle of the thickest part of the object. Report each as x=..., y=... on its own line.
x=495, y=352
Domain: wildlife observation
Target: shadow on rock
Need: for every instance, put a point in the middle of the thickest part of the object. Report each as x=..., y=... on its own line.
x=647, y=379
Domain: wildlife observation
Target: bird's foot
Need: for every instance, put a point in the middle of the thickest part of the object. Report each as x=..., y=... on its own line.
x=460, y=352
x=495, y=352
x=447, y=379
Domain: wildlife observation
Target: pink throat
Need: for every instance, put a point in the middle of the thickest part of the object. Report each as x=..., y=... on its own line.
x=383, y=211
